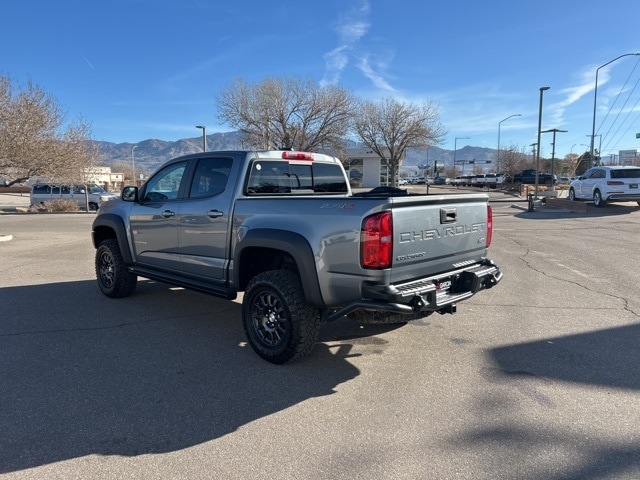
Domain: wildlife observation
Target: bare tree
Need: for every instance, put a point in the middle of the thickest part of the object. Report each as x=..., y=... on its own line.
x=389, y=127
x=513, y=160
x=287, y=113
x=35, y=142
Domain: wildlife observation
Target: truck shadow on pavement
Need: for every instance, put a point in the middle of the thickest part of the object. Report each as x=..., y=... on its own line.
x=160, y=371
x=608, y=358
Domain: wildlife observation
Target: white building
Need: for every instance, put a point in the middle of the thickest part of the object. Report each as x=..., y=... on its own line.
x=105, y=178
x=366, y=169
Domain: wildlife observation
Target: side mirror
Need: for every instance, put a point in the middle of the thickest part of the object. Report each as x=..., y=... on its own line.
x=129, y=194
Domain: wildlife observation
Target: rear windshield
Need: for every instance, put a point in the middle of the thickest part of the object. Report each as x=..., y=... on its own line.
x=626, y=173
x=281, y=177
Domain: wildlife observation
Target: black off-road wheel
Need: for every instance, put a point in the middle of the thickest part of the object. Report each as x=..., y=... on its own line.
x=114, y=279
x=279, y=324
x=366, y=317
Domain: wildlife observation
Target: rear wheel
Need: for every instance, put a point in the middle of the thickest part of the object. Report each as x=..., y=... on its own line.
x=598, y=201
x=279, y=324
x=114, y=279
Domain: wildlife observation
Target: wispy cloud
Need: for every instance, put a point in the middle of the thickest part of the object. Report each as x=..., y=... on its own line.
x=88, y=63
x=350, y=27
x=372, y=70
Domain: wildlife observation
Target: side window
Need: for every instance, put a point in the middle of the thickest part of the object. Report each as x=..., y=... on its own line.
x=211, y=177
x=41, y=189
x=165, y=185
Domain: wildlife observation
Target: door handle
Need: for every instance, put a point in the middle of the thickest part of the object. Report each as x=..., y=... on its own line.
x=168, y=214
x=214, y=213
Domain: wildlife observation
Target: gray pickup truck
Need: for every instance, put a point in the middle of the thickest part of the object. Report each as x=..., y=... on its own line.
x=285, y=228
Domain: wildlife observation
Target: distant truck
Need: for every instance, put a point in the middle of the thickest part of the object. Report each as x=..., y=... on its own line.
x=529, y=177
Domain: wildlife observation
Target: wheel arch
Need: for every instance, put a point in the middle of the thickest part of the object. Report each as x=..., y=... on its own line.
x=111, y=226
x=271, y=249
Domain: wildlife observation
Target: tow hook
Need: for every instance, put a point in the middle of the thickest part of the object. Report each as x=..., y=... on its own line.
x=417, y=303
x=451, y=308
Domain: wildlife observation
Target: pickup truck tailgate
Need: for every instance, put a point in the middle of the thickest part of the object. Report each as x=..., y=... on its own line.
x=442, y=233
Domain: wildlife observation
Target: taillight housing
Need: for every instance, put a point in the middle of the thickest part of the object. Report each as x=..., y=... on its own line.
x=489, y=225
x=376, y=241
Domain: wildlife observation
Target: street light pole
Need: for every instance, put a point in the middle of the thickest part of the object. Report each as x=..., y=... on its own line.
x=133, y=165
x=542, y=89
x=204, y=137
x=553, y=152
x=499, y=124
x=455, y=149
x=595, y=96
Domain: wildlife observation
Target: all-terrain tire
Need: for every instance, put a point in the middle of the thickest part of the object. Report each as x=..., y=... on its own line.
x=114, y=279
x=279, y=324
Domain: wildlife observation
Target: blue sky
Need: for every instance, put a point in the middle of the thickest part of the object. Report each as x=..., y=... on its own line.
x=140, y=69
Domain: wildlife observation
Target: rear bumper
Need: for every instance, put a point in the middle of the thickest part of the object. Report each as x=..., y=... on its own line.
x=437, y=293
x=623, y=197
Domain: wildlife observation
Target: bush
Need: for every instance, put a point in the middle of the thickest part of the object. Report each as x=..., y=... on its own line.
x=62, y=205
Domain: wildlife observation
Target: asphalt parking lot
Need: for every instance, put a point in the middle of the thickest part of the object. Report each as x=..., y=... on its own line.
x=536, y=378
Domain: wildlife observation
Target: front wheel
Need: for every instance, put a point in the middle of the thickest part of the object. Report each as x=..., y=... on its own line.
x=114, y=279
x=572, y=194
x=598, y=201
x=279, y=324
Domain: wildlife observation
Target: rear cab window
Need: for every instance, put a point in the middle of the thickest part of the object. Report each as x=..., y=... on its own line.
x=282, y=177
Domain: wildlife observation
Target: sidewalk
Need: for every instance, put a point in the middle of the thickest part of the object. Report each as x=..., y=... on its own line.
x=12, y=203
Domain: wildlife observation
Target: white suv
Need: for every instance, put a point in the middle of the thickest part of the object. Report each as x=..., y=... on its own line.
x=607, y=184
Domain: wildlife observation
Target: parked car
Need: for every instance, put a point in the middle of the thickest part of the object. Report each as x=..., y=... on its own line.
x=402, y=181
x=607, y=184
x=92, y=194
x=529, y=177
x=441, y=181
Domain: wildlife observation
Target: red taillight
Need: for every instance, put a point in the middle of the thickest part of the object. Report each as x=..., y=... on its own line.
x=288, y=155
x=377, y=241
x=489, y=224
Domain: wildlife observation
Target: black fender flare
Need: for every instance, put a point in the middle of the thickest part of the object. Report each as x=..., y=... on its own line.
x=115, y=223
x=294, y=244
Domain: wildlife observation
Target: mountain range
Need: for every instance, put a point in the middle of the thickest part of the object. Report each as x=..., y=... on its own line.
x=148, y=155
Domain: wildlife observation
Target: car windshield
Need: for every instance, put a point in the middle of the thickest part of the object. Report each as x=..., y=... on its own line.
x=626, y=173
